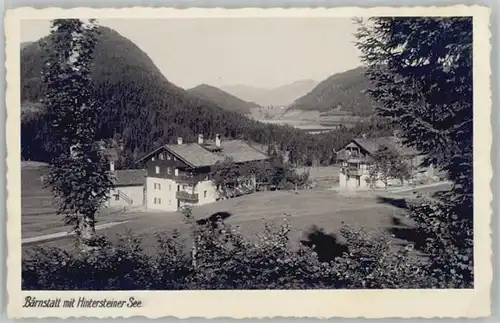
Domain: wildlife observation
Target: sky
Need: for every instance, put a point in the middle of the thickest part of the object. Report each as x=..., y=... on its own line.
x=258, y=52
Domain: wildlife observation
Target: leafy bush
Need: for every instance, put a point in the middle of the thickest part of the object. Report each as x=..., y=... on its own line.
x=449, y=244
x=222, y=258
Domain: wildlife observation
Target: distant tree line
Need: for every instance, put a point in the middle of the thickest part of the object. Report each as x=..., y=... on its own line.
x=144, y=133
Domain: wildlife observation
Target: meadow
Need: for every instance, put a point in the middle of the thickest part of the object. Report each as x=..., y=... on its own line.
x=316, y=215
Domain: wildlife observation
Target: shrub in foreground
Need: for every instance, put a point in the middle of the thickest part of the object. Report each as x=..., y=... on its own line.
x=222, y=258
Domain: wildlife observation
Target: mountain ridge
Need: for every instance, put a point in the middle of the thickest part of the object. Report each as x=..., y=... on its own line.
x=340, y=93
x=223, y=99
x=143, y=108
x=283, y=95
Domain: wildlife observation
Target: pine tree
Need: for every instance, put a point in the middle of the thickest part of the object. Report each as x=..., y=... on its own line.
x=421, y=75
x=78, y=175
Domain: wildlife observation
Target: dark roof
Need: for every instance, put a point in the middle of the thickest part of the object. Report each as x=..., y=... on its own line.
x=27, y=164
x=194, y=154
x=372, y=144
x=130, y=177
x=208, y=154
x=241, y=152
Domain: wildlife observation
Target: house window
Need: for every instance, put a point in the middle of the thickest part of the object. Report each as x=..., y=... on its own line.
x=161, y=156
x=169, y=187
x=184, y=187
x=157, y=186
x=205, y=194
x=168, y=170
x=157, y=169
x=169, y=202
x=117, y=197
x=152, y=159
x=159, y=200
x=176, y=172
x=169, y=157
x=175, y=158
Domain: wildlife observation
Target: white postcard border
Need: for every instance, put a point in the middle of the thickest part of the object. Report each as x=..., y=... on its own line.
x=260, y=304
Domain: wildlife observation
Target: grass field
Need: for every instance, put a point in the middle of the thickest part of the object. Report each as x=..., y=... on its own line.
x=38, y=211
x=323, y=176
x=320, y=212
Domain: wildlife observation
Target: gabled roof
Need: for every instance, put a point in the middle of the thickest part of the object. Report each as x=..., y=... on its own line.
x=372, y=144
x=27, y=164
x=208, y=154
x=130, y=177
x=194, y=155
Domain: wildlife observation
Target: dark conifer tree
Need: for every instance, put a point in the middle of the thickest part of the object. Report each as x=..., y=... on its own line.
x=421, y=70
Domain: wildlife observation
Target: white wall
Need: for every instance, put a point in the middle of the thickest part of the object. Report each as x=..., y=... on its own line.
x=211, y=192
x=164, y=194
x=167, y=193
x=342, y=180
x=206, y=190
x=352, y=183
x=135, y=193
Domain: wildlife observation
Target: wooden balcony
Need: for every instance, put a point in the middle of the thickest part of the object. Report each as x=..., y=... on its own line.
x=355, y=172
x=186, y=196
x=187, y=179
x=352, y=157
x=352, y=171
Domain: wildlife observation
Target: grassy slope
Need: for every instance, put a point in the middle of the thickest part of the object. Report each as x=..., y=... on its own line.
x=308, y=209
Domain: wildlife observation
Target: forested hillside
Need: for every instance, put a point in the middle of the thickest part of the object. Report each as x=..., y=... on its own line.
x=142, y=107
x=223, y=99
x=345, y=92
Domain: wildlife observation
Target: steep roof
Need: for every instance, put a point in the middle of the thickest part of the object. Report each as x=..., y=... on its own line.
x=194, y=154
x=28, y=164
x=208, y=154
x=372, y=144
x=130, y=177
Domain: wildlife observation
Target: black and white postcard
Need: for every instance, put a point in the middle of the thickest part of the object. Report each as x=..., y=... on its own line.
x=249, y=163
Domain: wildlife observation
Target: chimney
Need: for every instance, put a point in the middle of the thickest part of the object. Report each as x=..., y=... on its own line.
x=200, y=139
x=217, y=140
x=112, y=166
x=179, y=140
x=73, y=151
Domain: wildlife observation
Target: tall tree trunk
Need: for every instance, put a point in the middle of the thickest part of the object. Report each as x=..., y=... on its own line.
x=86, y=229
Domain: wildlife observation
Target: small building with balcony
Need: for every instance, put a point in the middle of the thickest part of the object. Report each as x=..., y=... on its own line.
x=181, y=174
x=355, y=160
